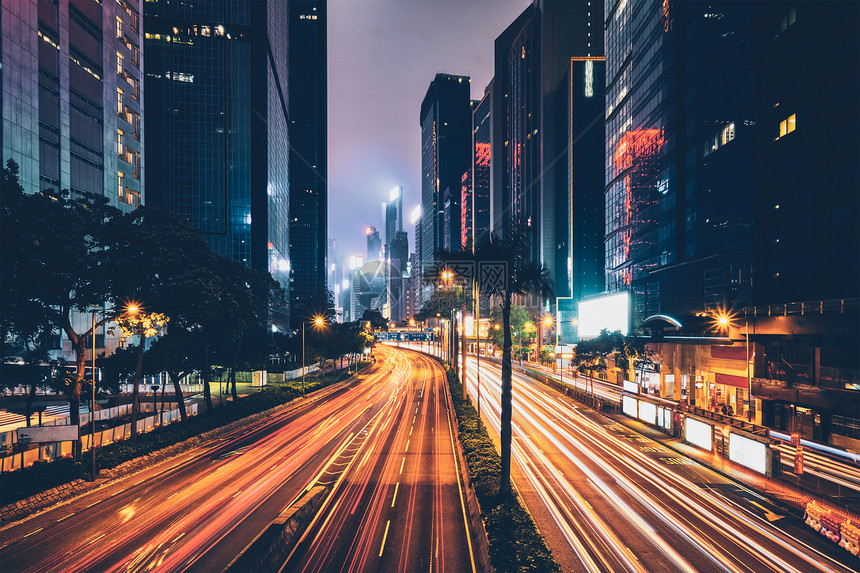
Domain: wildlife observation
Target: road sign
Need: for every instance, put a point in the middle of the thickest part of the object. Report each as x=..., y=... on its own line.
x=46, y=434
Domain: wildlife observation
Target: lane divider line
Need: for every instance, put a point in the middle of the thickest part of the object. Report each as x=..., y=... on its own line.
x=384, y=537
x=393, y=499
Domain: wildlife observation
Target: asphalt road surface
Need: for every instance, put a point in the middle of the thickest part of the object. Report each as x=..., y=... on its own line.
x=398, y=505
x=196, y=512
x=609, y=499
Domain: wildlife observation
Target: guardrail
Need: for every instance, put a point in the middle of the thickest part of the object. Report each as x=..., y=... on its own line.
x=55, y=450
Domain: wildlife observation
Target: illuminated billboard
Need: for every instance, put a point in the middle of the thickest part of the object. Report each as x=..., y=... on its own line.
x=747, y=452
x=628, y=406
x=648, y=412
x=611, y=312
x=699, y=433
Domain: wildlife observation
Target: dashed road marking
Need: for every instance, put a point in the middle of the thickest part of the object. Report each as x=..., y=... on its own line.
x=393, y=499
x=384, y=537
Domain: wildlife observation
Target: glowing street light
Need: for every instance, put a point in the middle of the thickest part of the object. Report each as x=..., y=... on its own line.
x=317, y=322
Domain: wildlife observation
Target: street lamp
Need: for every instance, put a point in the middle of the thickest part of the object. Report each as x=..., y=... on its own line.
x=723, y=320
x=317, y=322
x=94, y=308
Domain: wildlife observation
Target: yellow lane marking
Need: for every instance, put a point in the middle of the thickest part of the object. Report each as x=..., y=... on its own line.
x=396, y=487
x=384, y=537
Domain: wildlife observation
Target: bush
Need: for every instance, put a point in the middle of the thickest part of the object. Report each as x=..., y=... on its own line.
x=515, y=544
x=38, y=477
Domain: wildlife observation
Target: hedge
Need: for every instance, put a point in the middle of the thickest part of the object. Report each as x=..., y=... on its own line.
x=515, y=543
x=39, y=477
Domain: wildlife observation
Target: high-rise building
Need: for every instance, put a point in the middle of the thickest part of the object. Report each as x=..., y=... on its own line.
x=307, y=94
x=480, y=178
x=392, y=214
x=712, y=146
x=72, y=98
x=545, y=103
x=579, y=200
x=445, y=141
x=217, y=144
x=374, y=244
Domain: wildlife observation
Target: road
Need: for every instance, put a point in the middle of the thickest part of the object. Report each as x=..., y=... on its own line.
x=609, y=499
x=197, y=511
x=398, y=505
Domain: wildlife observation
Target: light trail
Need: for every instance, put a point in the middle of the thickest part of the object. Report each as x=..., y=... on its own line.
x=573, y=461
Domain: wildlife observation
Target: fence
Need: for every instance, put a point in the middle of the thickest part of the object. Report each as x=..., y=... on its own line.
x=52, y=451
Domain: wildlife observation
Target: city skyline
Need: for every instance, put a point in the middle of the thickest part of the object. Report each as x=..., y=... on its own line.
x=374, y=136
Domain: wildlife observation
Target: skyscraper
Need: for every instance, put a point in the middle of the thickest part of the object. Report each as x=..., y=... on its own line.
x=480, y=177
x=545, y=103
x=374, y=244
x=445, y=140
x=217, y=122
x=392, y=213
x=72, y=98
x=307, y=87
x=714, y=139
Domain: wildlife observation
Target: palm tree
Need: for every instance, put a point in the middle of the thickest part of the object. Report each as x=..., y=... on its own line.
x=515, y=275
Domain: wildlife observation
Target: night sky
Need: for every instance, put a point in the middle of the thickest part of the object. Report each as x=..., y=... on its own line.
x=382, y=56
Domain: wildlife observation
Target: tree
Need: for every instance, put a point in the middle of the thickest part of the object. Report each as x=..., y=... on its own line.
x=56, y=252
x=591, y=353
x=318, y=303
x=377, y=321
x=520, y=277
x=135, y=321
x=546, y=356
x=519, y=318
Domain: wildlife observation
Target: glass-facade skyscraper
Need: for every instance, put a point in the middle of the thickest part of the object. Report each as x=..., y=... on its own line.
x=216, y=72
x=446, y=122
x=731, y=190
x=546, y=102
x=308, y=93
x=72, y=98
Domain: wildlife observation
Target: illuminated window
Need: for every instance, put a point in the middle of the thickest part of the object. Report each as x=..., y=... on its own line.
x=728, y=133
x=134, y=87
x=118, y=27
x=787, y=125
x=119, y=101
x=119, y=63
x=119, y=135
x=787, y=20
x=589, y=78
x=120, y=186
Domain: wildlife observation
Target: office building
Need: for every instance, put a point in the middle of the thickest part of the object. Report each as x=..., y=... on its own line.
x=445, y=121
x=72, y=97
x=374, y=244
x=546, y=104
x=308, y=168
x=720, y=118
x=217, y=145
x=479, y=181
x=392, y=214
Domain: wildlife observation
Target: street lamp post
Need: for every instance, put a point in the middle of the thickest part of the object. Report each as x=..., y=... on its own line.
x=318, y=321
x=93, y=403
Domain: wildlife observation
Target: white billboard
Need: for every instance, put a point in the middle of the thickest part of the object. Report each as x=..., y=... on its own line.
x=648, y=412
x=47, y=434
x=747, y=452
x=611, y=312
x=628, y=406
x=699, y=433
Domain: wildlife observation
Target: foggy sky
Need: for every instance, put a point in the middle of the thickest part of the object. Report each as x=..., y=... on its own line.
x=382, y=56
